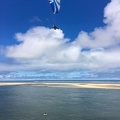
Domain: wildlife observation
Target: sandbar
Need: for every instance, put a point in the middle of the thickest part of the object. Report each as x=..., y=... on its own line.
x=66, y=85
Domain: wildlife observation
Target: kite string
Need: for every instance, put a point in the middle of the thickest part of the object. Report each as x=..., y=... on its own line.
x=54, y=19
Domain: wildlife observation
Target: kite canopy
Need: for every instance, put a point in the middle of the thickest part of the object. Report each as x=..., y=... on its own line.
x=55, y=5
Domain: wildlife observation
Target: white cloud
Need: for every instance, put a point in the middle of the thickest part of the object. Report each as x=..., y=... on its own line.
x=108, y=35
x=36, y=43
x=44, y=48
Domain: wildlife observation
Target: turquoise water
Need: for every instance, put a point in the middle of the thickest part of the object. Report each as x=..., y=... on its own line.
x=31, y=102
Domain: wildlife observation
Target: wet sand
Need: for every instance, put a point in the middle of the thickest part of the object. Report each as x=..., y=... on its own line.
x=67, y=85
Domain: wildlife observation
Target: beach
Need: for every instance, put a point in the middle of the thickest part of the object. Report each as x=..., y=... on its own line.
x=67, y=85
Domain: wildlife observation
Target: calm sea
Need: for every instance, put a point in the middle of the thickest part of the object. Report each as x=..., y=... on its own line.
x=31, y=102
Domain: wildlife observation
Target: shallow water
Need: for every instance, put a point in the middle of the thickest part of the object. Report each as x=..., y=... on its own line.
x=31, y=102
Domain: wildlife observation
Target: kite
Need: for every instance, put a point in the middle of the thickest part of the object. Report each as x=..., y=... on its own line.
x=55, y=5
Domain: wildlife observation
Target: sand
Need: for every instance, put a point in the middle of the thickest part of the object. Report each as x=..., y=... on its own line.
x=67, y=85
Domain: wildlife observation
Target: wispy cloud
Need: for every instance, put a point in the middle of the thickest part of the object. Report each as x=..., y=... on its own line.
x=44, y=48
x=35, y=19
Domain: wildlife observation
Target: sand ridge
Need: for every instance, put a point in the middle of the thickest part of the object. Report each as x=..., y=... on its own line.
x=70, y=85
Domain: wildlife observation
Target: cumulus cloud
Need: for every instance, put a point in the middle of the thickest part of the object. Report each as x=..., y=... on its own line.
x=108, y=35
x=35, y=43
x=44, y=48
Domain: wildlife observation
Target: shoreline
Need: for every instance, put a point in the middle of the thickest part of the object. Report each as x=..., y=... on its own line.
x=65, y=85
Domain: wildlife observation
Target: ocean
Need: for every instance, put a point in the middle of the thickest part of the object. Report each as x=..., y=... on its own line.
x=32, y=102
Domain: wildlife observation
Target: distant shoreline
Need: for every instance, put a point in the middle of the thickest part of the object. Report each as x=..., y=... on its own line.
x=66, y=85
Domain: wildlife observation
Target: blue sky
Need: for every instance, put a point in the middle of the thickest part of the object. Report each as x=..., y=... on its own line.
x=19, y=16
x=88, y=38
